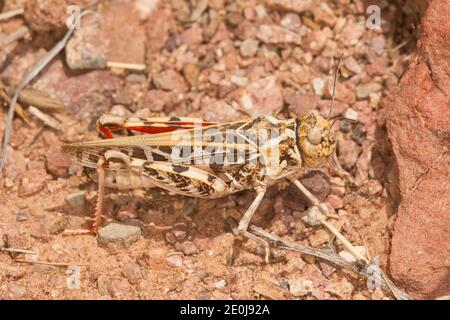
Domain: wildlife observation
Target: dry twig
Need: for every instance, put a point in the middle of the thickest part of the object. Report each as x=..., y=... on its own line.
x=39, y=100
x=364, y=271
x=10, y=14
x=18, y=250
x=58, y=264
x=45, y=118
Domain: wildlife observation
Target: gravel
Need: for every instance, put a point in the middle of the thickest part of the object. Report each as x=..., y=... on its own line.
x=119, y=233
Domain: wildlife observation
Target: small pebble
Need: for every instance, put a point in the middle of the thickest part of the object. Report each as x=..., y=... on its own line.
x=115, y=232
x=239, y=81
x=318, y=86
x=318, y=238
x=343, y=289
x=291, y=21
x=174, y=261
x=22, y=216
x=76, y=200
x=170, y=237
x=351, y=114
x=313, y=216
x=17, y=290
x=191, y=73
x=337, y=186
x=300, y=286
x=335, y=201
x=180, y=235
x=102, y=285
x=352, y=65
x=187, y=247
x=220, y=284
x=249, y=47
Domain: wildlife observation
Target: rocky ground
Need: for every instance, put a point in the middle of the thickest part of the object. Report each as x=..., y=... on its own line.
x=221, y=61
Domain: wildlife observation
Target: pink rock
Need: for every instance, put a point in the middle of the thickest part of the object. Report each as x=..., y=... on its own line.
x=261, y=97
x=352, y=65
x=192, y=36
x=187, y=247
x=324, y=14
x=84, y=94
x=348, y=153
x=217, y=111
x=156, y=100
x=291, y=21
x=302, y=103
x=124, y=33
x=279, y=228
x=127, y=212
x=57, y=162
x=157, y=29
x=344, y=92
x=319, y=238
x=170, y=80
x=343, y=289
x=132, y=271
x=33, y=182
x=418, y=123
x=315, y=41
x=46, y=15
x=335, y=201
x=325, y=107
x=170, y=237
x=317, y=183
x=276, y=34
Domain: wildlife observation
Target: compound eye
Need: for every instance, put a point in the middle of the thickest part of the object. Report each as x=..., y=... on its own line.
x=314, y=136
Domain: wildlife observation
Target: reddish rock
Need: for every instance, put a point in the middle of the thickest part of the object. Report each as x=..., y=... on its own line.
x=302, y=103
x=348, y=152
x=124, y=33
x=291, y=21
x=170, y=80
x=317, y=183
x=157, y=29
x=156, y=100
x=132, y=272
x=33, y=182
x=127, y=212
x=344, y=93
x=187, y=247
x=261, y=97
x=192, y=36
x=418, y=123
x=315, y=41
x=217, y=111
x=46, y=15
x=325, y=107
x=84, y=94
x=335, y=201
x=324, y=14
x=57, y=162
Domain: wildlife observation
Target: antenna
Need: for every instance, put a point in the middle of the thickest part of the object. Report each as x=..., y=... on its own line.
x=334, y=86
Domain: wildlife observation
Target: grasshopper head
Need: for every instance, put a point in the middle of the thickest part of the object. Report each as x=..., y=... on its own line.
x=315, y=139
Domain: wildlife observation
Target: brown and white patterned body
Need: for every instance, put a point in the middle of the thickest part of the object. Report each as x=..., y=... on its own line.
x=205, y=160
x=208, y=162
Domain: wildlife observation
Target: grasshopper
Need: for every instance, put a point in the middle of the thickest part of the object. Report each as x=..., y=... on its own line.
x=203, y=159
